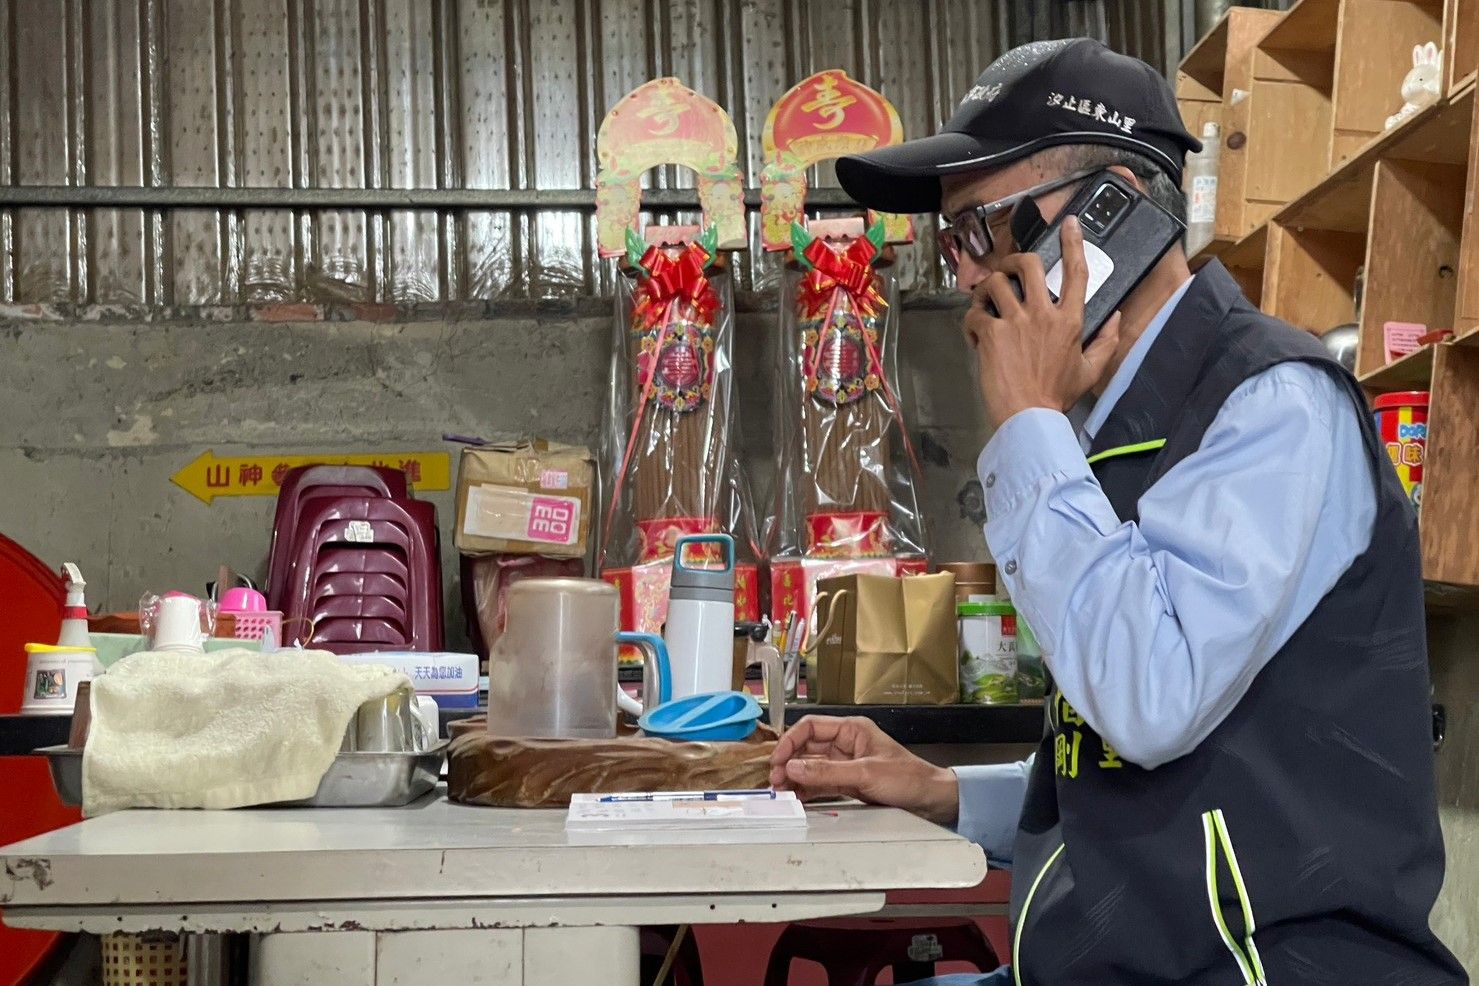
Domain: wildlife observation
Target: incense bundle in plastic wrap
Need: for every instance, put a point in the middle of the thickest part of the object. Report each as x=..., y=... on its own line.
x=849, y=477
x=670, y=441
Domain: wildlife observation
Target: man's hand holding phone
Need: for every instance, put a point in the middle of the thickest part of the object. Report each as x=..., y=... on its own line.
x=1032, y=355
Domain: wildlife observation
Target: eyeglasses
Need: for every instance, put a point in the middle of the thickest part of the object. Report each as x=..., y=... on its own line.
x=971, y=232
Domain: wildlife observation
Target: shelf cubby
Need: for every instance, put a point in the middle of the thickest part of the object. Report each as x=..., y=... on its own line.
x=1374, y=42
x=1200, y=78
x=1244, y=260
x=1212, y=85
x=1412, y=252
x=1309, y=277
x=1412, y=372
x=1290, y=108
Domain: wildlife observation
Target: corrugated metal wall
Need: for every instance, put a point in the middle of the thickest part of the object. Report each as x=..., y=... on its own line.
x=182, y=96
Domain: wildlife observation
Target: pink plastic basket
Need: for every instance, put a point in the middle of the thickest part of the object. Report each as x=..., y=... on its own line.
x=251, y=626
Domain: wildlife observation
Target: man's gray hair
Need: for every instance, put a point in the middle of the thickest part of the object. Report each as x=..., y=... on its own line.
x=1159, y=187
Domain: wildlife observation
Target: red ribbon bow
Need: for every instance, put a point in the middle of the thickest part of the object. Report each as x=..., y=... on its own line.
x=673, y=279
x=849, y=270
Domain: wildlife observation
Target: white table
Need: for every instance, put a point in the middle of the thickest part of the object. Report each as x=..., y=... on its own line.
x=434, y=891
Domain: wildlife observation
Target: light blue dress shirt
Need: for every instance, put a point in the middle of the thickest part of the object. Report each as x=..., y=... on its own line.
x=1154, y=630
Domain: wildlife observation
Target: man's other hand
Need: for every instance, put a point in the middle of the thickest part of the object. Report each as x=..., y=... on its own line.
x=828, y=756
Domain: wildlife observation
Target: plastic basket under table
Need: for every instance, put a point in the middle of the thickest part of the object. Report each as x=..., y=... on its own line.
x=251, y=626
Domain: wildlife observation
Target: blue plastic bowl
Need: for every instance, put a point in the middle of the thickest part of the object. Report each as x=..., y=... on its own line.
x=716, y=716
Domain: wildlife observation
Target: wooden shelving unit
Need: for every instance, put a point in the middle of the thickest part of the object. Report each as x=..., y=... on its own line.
x=1324, y=80
x=1402, y=205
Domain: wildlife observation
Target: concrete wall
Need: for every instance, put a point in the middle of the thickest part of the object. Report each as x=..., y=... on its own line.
x=96, y=417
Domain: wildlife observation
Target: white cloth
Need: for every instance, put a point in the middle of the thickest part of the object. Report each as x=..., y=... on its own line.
x=220, y=730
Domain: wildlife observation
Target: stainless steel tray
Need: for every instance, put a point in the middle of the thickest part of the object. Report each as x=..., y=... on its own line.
x=376, y=780
x=353, y=780
x=66, y=772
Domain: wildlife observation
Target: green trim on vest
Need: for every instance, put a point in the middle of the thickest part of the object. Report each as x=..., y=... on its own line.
x=1111, y=453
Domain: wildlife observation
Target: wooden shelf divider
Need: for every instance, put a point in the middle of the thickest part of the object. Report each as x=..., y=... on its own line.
x=1461, y=44
x=1449, y=517
x=1466, y=314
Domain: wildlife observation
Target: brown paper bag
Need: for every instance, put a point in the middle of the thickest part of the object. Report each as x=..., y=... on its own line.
x=887, y=641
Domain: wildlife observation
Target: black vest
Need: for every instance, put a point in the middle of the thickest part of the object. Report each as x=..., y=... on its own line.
x=1299, y=843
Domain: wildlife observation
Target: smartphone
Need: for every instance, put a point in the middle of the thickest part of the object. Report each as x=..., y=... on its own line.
x=1125, y=235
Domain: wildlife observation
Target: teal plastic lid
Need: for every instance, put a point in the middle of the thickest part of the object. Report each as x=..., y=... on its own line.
x=713, y=716
x=997, y=608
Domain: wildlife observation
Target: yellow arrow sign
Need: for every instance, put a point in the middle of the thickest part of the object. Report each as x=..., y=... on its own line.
x=260, y=475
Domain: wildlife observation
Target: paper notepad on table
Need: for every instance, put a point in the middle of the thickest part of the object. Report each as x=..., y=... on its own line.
x=685, y=810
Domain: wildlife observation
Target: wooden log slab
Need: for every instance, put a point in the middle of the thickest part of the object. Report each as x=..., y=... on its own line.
x=525, y=772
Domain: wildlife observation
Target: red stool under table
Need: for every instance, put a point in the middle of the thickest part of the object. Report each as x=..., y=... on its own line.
x=855, y=952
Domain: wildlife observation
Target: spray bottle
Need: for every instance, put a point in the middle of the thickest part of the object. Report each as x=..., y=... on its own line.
x=56, y=672
x=74, y=613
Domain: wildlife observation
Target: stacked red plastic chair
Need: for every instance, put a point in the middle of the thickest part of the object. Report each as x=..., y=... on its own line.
x=356, y=562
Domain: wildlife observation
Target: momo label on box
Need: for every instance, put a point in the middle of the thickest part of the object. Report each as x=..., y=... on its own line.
x=516, y=515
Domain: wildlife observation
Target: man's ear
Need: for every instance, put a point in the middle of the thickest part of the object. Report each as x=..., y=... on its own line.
x=1128, y=176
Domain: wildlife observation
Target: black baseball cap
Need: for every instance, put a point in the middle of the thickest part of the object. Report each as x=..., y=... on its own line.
x=1038, y=95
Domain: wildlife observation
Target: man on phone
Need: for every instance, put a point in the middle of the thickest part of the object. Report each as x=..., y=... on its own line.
x=1196, y=518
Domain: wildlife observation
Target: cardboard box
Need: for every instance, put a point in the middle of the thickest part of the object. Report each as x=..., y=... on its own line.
x=526, y=498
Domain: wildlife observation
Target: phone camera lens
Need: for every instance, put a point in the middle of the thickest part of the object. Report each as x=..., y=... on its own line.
x=1104, y=208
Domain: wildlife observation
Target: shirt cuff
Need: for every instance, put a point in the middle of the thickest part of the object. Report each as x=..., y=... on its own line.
x=1029, y=446
x=991, y=797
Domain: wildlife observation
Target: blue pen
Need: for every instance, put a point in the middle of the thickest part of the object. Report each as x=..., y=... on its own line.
x=756, y=794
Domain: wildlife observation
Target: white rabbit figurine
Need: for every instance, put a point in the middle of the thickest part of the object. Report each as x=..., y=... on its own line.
x=1421, y=86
